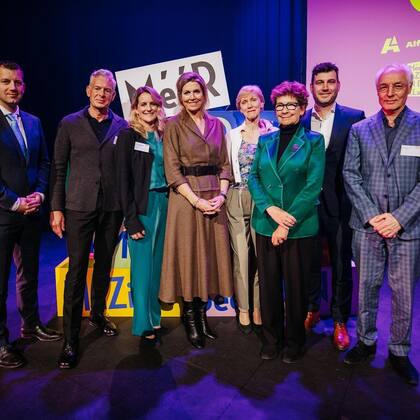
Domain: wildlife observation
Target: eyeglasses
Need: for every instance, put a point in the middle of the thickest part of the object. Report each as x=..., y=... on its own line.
x=396, y=87
x=290, y=106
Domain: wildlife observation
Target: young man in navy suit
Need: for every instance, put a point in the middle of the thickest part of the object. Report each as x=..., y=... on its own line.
x=334, y=122
x=24, y=170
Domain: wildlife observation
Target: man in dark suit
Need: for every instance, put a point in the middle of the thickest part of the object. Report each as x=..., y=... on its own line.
x=24, y=169
x=84, y=203
x=334, y=122
x=382, y=178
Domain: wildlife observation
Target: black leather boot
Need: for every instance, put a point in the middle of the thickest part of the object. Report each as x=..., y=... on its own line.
x=193, y=333
x=200, y=310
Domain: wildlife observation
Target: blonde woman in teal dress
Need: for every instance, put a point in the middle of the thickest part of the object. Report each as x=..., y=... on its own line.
x=143, y=195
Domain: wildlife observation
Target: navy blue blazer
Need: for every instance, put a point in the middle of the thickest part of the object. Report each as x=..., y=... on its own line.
x=19, y=178
x=333, y=195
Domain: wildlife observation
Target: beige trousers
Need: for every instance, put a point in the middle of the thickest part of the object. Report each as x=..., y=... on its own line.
x=242, y=240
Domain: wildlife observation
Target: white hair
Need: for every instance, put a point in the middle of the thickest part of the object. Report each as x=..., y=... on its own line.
x=395, y=67
x=104, y=73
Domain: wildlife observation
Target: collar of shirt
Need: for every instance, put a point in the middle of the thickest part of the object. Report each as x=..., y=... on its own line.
x=7, y=112
x=318, y=117
x=397, y=120
x=86, y=113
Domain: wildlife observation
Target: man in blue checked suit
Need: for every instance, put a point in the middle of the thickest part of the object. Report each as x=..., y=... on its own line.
x=382, y=179
x=24, y=169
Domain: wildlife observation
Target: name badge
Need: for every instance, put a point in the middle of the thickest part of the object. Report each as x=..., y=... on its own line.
x=141, y=147
x=408, y=150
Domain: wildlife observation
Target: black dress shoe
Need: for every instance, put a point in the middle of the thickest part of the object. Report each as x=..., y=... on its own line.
x=68, y=356
x=404, y=368
x=245, y=329
x=360, y=353
x=10, y=358
x=101, y=322
x=269, y=351
x=41, y=333
x=292, y=354
x=148, y=343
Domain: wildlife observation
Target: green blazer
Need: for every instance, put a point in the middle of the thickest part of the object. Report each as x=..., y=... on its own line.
x=293, y=184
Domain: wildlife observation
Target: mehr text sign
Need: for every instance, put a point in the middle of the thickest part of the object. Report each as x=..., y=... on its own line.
x=163, y=77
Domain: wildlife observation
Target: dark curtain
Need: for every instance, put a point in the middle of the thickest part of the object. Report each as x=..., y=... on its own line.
x=60, y=43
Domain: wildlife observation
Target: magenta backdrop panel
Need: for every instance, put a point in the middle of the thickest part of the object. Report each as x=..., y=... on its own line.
x=361, y=36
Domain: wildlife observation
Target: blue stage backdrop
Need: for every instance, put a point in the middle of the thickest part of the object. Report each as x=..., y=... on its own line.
x=60, y=43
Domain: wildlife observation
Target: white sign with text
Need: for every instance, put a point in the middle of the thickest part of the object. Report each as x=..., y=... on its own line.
x=163, y=77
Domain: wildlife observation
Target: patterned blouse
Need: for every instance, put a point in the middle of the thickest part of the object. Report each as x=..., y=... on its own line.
x=246, y=158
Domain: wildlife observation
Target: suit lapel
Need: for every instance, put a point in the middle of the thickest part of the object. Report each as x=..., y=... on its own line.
x=292, y=148
x=306, y=119
x=208, y=127
x=337, y=125
x=113, y=129
x=193, y=126
x=28, y=126
x=406, y=125
x=272, y=148
x=85, y=125
x=378, y=134
x=9, y=136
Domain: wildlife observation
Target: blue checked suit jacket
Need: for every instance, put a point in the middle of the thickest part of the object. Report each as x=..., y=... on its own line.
x=377, y=182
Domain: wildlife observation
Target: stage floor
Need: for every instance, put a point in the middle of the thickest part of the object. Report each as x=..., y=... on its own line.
x=225, y=380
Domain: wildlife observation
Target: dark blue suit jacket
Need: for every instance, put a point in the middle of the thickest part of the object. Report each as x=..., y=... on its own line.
x=333, y=195
x=18, y=178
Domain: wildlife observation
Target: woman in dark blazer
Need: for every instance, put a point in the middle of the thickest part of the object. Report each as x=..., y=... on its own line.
x=143, y=195
x=285, y=182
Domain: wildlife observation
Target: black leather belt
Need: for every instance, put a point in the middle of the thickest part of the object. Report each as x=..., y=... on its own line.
x=199, y=170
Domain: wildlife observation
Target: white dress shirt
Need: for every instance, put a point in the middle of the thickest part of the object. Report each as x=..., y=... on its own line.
x=323, y=125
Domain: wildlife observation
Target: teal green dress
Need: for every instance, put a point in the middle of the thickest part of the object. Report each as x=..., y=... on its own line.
x=146, y=254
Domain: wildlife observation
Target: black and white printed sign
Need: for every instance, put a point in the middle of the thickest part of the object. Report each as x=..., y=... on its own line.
x=163, y=77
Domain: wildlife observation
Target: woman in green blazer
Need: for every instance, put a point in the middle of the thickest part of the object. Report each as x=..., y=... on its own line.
x=285, y=182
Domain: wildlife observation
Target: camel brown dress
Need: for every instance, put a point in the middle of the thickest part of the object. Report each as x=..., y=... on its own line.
x=196, y=258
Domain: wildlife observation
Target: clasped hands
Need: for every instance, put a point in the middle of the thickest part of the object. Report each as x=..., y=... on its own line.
x=30, y=204
x=386, y=225
x=210, y=207
x=284, y=220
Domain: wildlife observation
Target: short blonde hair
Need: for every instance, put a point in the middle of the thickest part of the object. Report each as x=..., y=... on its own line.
x=246, y=90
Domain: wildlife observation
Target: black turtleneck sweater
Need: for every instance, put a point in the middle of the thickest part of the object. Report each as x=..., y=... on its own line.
x=286, y=134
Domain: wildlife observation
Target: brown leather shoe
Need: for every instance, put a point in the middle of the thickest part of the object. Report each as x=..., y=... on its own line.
x=341, y=336
x=312, y=318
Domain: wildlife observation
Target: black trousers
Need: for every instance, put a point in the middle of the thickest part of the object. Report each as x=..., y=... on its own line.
x=20, y=240
x=284, y=272
x=81, y=227
x=338, y=235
